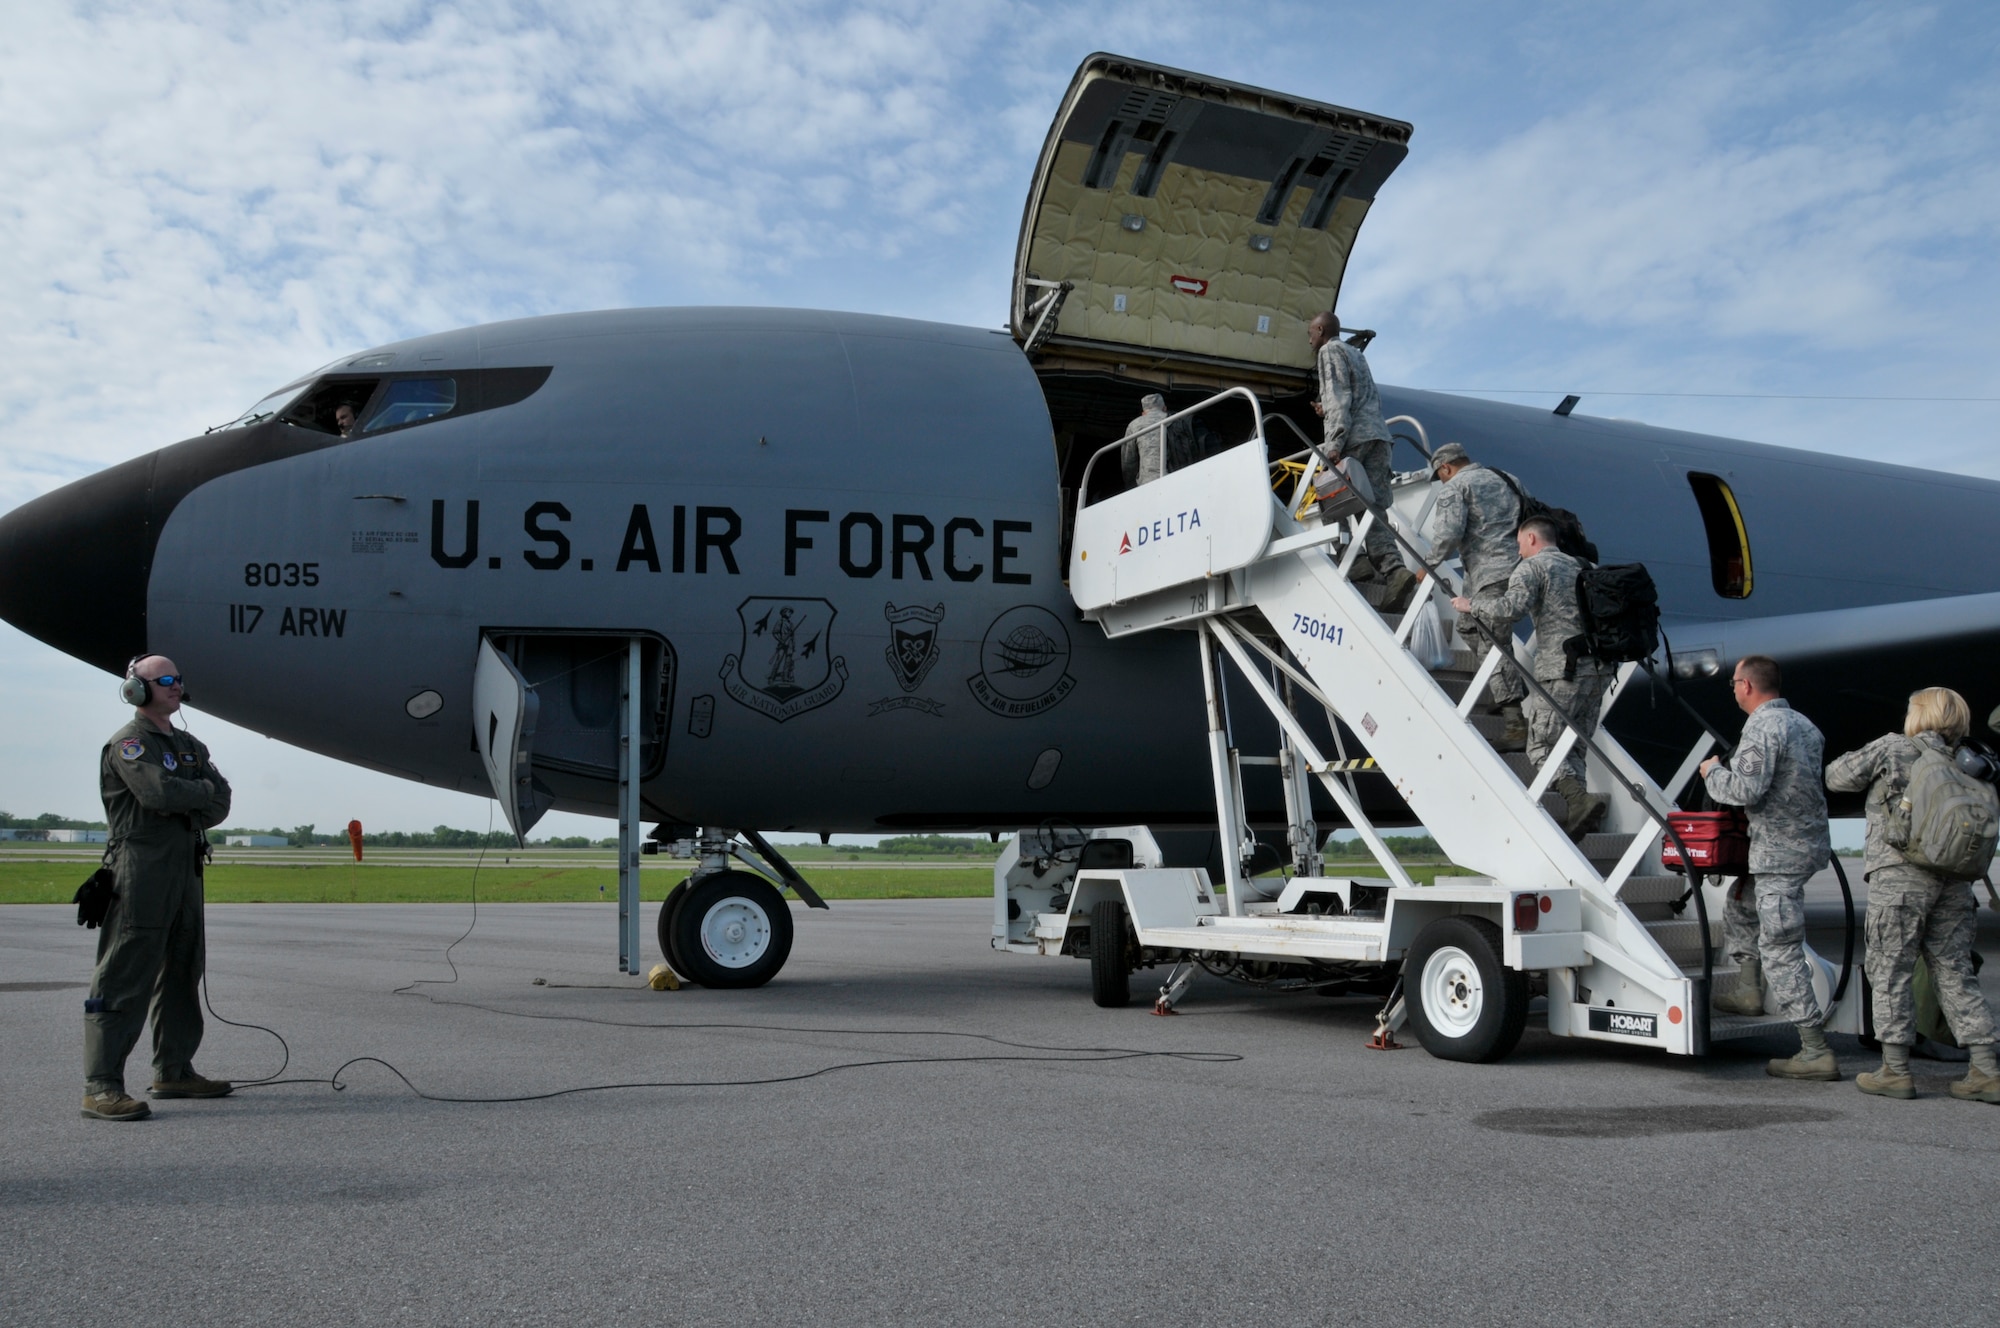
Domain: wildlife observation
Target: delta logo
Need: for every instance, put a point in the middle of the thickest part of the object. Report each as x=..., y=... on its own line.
x=1180, y=523
x=1188, y=285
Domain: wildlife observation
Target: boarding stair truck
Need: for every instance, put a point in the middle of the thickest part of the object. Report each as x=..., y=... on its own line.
x=1256, y=576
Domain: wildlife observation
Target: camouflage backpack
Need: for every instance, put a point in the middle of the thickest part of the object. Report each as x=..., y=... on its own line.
x=1948, y=820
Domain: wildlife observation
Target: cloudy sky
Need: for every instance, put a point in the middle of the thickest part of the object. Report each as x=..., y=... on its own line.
x=1773, y=221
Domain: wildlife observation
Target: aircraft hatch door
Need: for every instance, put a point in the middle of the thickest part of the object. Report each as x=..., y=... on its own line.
x=504, y=709
x=1187, y=223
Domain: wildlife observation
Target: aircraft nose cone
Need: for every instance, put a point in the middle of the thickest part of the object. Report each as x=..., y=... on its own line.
x=74, y=565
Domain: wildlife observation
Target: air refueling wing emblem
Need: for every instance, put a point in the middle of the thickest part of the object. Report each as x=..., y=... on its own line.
x=786, y=666
x=913, y=648
x=913, y=642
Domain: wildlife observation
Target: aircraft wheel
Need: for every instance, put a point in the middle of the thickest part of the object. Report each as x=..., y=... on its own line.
x=1110, y=955
x=1465, y=1004
x=666, y=929
x=731, y=929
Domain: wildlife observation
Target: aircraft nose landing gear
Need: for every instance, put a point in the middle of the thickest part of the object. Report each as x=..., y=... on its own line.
x=724, y=927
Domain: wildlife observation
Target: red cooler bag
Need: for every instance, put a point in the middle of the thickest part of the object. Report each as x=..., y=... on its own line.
x=1718, y=842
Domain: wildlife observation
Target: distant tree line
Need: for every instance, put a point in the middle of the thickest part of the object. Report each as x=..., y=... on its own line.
x=46, y=821
x=1403, y=846
x=443, y=836
x=934, y=846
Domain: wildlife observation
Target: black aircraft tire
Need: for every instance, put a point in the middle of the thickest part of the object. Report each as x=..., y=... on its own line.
x=731, y=929
x=1464, y=1003
x=1110, y=960
x=667, y=908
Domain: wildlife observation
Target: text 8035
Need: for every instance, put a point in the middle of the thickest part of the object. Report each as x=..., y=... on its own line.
x=281, y=574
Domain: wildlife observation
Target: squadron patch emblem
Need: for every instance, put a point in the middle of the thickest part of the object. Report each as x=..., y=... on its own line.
x=167, y=760
x=131, y=749
x=1024, y=663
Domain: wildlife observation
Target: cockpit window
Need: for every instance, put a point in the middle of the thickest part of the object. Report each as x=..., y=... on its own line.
x=1728, y=540
x=266, y=408
x=333, y=406
x=411, y=401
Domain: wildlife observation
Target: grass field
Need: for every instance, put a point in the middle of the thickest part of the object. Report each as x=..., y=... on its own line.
x=509, y=883
x=56, y=882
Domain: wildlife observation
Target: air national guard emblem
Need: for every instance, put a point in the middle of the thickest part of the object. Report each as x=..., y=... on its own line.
x=913, y=648
x=131, y=749
x=785, y=667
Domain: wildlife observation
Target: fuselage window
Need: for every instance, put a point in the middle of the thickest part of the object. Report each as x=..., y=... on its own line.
x=1728, y=541
x=412, y=401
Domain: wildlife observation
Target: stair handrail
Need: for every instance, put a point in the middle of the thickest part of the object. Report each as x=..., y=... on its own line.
x=1257, y=436
x=1526, y=676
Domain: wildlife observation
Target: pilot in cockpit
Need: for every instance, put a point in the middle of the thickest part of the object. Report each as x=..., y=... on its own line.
x=343, y=418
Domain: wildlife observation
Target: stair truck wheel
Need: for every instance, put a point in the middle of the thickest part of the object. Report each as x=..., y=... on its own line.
x=731, y=929
x=667, y=909
x=1465, y=1004
x=1110, y=955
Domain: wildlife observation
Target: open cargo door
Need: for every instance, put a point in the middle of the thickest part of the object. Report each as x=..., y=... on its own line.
x=1185, y=224
x=504, y=709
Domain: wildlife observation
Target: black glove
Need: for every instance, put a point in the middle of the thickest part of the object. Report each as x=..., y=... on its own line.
x=93, y=898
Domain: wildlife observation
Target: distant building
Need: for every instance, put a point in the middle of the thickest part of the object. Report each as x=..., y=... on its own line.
x=257, y=841
x=78, y=836
x=35, y=836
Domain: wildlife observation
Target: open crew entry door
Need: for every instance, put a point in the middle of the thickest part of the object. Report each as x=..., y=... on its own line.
x=1185, y=223
x=504, y=710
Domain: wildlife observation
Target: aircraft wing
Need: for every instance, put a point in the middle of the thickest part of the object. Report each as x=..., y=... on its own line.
x=1848, y=670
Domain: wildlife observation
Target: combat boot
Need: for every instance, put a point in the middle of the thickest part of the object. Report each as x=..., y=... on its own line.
x=1982, y=1081
x=1584, y=809
x=1514, y=738
x=1893, y=1079
x=1398, y=589
x=1814, y=1061
x=114, y=1105
x=1747, y=996
x=192, y=1085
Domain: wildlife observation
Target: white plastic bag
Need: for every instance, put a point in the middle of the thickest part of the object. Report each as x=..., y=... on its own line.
x=1428, y=641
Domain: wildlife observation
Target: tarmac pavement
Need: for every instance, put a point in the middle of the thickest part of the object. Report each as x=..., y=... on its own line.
x=1310, y=1182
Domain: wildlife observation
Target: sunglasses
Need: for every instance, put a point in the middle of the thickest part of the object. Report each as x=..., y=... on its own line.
x=166, y=680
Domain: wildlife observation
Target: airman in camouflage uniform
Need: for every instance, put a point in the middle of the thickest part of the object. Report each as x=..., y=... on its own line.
x=1913, y=911
x=1151, y=450
x=1475, y=518
x=1774, y=775
x=161, y=795
x=1352, y=411
x=1543, y=585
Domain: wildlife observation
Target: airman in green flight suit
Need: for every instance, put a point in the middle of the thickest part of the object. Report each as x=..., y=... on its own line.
x=161, y=796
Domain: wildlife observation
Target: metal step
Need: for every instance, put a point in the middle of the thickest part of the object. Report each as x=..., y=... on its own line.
x=1722, y=1027
x=1681, y=939
x=1652, y=889
x=1605, y=849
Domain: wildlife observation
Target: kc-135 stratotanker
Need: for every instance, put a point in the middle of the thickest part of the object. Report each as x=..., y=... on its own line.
x=736, y=570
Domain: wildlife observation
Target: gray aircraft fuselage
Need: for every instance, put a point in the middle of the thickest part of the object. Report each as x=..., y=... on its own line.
x=840, y=535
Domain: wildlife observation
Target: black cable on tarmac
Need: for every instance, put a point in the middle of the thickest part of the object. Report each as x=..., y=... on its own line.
x=1050, y=1055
